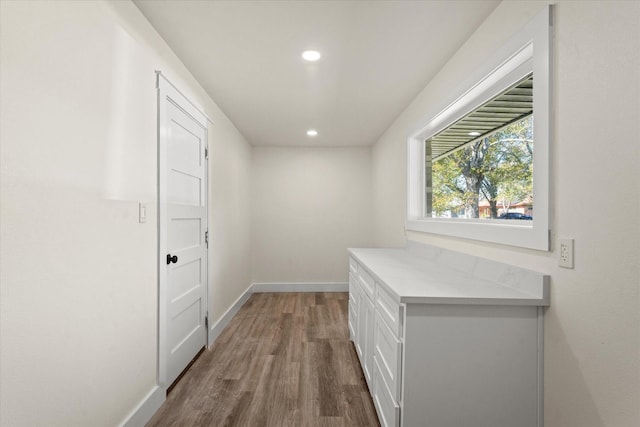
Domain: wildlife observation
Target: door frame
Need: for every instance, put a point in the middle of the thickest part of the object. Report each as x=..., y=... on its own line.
x=167, y=92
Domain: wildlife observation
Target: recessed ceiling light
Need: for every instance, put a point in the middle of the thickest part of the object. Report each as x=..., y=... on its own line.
x=312, y=132
x=474, y=133
x=311, y=55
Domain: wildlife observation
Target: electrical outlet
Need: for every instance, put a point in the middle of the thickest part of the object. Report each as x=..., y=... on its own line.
x=565, y=247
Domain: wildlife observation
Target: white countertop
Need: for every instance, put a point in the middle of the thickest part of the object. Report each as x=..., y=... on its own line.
x=414, y=278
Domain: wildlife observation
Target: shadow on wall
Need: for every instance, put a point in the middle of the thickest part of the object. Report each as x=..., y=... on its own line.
x=128, y=146
x=565, y=390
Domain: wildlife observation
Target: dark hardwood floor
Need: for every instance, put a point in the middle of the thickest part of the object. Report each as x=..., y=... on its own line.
x=284, y=360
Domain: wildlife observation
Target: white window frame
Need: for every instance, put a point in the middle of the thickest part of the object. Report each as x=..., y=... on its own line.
x=527, y=51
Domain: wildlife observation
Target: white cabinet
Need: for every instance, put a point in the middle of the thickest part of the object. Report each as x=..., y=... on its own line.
x=374, y=328
x=441, y=347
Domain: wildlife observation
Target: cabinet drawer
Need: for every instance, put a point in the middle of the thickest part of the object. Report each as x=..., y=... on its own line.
x=390, y=310
x=367, y=282
x=387, y=408
x=388, y=352
x=353, y=265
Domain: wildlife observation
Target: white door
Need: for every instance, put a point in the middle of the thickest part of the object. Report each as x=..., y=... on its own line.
x=182, y=183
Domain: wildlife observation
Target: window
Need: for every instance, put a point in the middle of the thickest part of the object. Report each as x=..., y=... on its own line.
x=479, y=169
x=482, y=165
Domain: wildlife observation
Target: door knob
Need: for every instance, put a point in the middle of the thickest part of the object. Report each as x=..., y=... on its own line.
x=172, y=259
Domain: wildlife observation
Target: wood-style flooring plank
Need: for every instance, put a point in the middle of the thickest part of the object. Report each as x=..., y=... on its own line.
x=284, y=360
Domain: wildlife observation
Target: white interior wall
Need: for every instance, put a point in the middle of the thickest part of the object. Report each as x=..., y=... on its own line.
x=78, y=278
x=309, y=206
x=592, y=372
x=78, y=152
x=229, y=216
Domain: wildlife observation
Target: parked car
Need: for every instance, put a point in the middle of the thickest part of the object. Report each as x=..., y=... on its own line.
x=514, y=215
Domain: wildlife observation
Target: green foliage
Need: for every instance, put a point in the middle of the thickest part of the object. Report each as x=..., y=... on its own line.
x=497, y=168
x=447, y=193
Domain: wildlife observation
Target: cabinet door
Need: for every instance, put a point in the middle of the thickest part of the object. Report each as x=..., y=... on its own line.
x=365, y=335
x=388, y=352
x=387, y=408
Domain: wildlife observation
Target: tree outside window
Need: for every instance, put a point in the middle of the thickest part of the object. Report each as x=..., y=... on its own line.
x=488, y=177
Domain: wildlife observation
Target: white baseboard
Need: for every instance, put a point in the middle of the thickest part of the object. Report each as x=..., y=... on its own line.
x=301, y=287
x=216, y=329
x=146, y=408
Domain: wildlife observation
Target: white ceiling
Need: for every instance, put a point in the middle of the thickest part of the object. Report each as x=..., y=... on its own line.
x=377, y=56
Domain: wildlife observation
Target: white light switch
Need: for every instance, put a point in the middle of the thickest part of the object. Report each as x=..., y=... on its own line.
x=142, y=212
